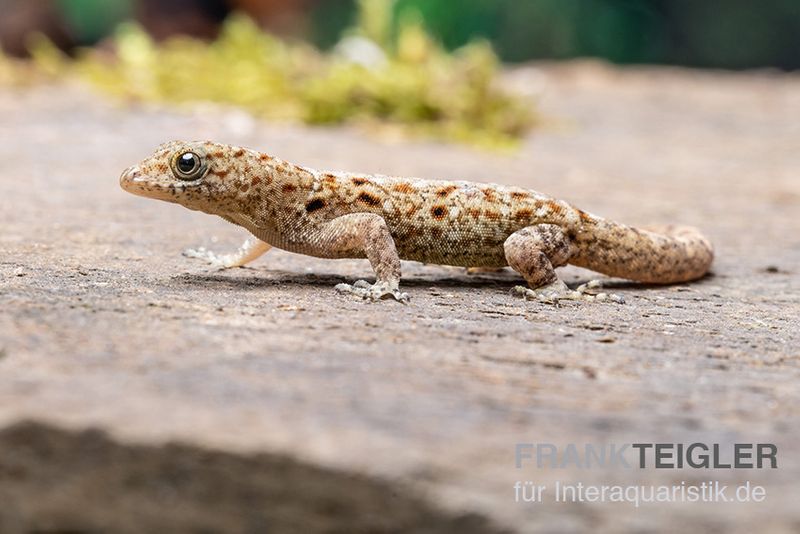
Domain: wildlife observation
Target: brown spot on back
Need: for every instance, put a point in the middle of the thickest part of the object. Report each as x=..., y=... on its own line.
x=263, y=157
x=413, y=231
x=359, y=181
x=288, y=188
x=403, y=187
x=244, y=188
x=489, y=193
x=219, y=154
x=585, y=217
x=331, y=183
x=444, y=191
x=239, y=153
x=519, y=195
x=255, y=181
x=493, y=215
x=438, y=212
x=474, y=212
x=554, y=207
x=314, y=205
x=370, y=200
x=222, y=173
x=523, y=215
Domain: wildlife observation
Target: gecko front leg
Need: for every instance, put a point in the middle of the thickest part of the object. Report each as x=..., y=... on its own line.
x=535, y=252
x=251, y=250
x=364, y=234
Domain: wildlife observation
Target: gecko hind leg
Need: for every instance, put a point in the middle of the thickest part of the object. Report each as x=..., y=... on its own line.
x=252, y=249
x=535, y=252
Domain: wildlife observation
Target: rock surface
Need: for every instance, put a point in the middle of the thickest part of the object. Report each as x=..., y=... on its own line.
x=105, y=324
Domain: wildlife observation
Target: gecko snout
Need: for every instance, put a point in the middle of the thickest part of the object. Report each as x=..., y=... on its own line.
x=129, y=175
x=131, y=180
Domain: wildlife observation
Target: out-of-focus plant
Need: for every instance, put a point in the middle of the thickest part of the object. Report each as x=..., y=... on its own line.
x=8, y=71
x=48, y=63
x=375, y=20
x=408, y=83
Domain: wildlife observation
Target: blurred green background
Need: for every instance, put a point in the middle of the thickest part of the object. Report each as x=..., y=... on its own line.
x=734, y=34
x=702, y=33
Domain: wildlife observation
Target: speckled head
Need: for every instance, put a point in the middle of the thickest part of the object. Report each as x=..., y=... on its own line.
x=199, y=175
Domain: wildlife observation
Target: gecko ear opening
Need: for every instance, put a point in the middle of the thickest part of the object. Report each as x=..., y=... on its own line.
x=188, y=166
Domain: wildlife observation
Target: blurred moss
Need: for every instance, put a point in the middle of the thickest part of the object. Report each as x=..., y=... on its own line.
x=375, y=21
x=411, y=87
x=48, y=63
x=48, y=59
x=8, y=71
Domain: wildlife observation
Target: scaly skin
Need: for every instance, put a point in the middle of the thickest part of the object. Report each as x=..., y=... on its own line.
x=385, y=219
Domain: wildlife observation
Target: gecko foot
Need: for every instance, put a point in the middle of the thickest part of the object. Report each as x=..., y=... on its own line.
x=558, y=291
x=602, y=297
x=373, y=292
x=216, y=261
x=252, y=249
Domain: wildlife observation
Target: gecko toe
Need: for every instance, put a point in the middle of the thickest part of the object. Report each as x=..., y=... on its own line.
x=600, y=297
x=199, y=253
x=203, y=254
x=558, y=291
x=373, y=292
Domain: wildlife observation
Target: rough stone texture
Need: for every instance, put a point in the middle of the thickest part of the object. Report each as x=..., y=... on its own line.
x=84, y=482
x=104, y=323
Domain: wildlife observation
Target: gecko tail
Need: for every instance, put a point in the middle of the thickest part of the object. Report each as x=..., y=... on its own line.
x=656, y=255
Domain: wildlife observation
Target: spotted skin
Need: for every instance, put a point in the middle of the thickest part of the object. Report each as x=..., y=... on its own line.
x=386, y=219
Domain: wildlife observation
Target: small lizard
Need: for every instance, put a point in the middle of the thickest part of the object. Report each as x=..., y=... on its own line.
x=386, y=219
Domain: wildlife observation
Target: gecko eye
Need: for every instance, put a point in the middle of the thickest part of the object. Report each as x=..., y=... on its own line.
x=188, y=166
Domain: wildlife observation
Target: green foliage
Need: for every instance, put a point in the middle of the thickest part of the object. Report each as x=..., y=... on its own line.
x=48, y=63
x=8, y=71
x=413, y=86
x=709, y=33
x=90, y=20
x=375, y=20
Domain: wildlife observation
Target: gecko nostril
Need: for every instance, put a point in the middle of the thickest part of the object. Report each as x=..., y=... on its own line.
x=128, y=177
x=129, y=174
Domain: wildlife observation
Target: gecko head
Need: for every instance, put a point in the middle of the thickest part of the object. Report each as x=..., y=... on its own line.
x=199, y=175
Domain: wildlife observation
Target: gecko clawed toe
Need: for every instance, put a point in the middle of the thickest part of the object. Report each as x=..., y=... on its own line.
x=549, y=294
x=602, y=296
x=250, y=250
x=374, y=292
x=214, y=260
x=388, y=219
x=557, y=291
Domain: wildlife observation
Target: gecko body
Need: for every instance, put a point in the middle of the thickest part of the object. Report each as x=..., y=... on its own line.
x=386, y=219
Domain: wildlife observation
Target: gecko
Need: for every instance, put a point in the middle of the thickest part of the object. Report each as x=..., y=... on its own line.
x=388, y=219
